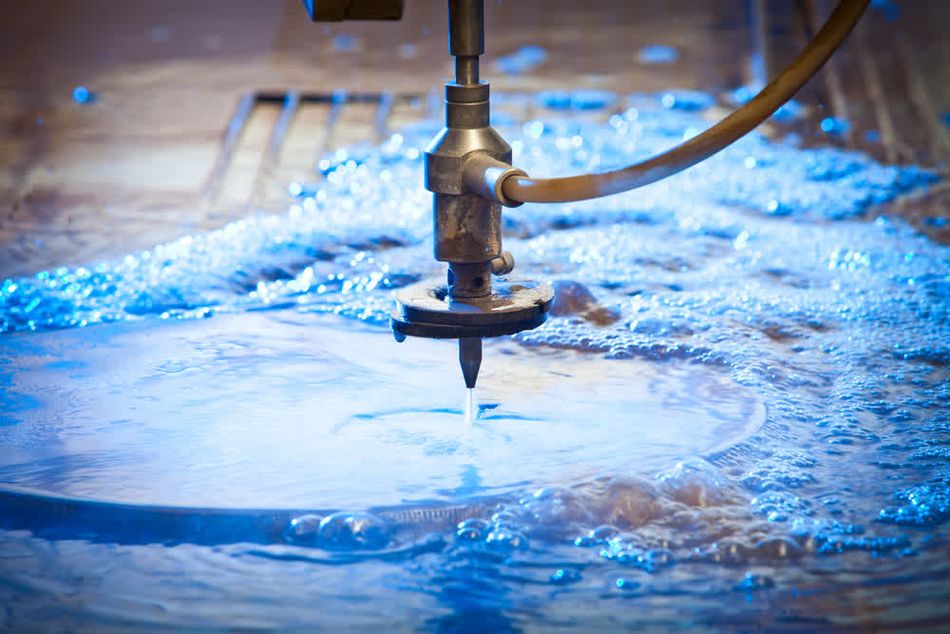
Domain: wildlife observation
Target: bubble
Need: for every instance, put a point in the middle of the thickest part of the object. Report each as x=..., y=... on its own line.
x=687, y=100
x=837, y=544
x=725, y=551
x=303, y=529
x=658, y=54
x=592, y=99
x=743, y=94
x=565, y=576
x=629, y=503
x=508, y=517
x=604, y=532
x=753, y=582
x=925, y=505
x=788, y=470
x=555, y=99
x=354, y=531
x=777, y=549
x=775, y=208
x=622, y=583
x=657, y=558
x=624, y=549
x=576, y=100
x=505, y=539
x=597, y=536
x=523, y=60
x=471, y=530
x=556, y=510
x=835, y=126
x=695, y=482
x=83, y=95
x=780, y=506
x=788, y=112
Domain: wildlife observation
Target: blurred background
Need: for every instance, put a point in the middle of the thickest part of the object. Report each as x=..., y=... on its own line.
x=114, y=112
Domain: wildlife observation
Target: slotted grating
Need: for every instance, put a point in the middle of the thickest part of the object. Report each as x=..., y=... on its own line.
x=275, y=138
x=257, y=150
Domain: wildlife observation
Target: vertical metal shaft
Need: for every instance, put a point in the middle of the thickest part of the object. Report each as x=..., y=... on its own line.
x=466, y=70
x=467, y=225
x=466, y=165
x=466, y=27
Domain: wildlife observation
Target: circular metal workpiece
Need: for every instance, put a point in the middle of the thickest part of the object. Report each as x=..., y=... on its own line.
x=426, y=310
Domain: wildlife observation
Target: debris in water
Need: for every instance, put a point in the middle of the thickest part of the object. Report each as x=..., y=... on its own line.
x=658, y=54
x=835, y=126
x=83, y=95
x=521, y=61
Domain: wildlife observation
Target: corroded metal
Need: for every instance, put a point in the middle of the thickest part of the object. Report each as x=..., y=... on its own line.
x=467, y=229
x=467, y=225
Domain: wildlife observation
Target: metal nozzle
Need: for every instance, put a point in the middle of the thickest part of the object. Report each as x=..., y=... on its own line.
x=466, y=167
x=470, y=356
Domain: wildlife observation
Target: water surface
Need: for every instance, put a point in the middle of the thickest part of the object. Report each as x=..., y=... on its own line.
x=736, y=417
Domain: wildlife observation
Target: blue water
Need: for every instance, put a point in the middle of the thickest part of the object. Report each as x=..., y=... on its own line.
x=769, y=276
x=658, y=54
x=521, y=61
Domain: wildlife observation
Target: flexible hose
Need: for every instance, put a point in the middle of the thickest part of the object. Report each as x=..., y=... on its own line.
x=704, y=145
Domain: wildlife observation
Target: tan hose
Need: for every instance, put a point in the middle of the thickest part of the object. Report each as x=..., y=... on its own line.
x=702, y=146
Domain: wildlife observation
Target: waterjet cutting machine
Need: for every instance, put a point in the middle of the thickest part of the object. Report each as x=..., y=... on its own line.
x=468, y=169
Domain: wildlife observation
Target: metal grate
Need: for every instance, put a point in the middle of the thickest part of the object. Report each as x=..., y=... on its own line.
x=256, y=150
x=277, y=137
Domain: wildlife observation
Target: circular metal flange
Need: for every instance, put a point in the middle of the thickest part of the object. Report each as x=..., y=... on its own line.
x=426, y=310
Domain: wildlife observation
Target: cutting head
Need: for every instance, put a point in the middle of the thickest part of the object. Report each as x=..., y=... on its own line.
x=467, y=218
x=428, y=310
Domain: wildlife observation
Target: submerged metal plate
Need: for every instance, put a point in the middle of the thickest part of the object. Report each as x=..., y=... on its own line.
x=246, y=416
x=427, y=310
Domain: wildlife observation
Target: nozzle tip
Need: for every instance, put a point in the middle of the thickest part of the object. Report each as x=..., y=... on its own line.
x=470, y=356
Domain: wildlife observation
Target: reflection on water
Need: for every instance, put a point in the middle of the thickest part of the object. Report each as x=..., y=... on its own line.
x=298, y=411
x=643, y=487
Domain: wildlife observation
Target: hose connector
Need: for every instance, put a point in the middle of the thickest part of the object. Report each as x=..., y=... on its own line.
x=485, y=176
x=503, y=264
